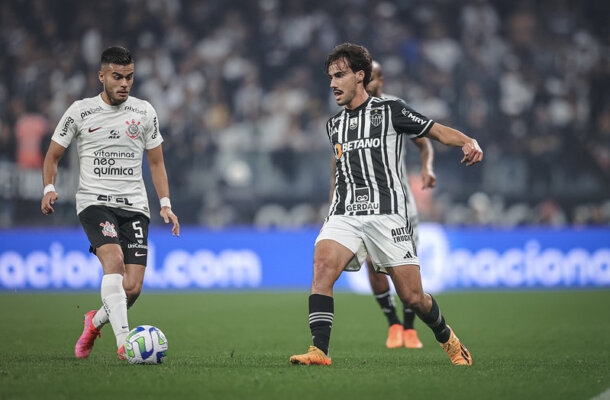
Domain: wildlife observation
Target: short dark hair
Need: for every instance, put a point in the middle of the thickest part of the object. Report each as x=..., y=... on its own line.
x=117, y=55
x=358, y=59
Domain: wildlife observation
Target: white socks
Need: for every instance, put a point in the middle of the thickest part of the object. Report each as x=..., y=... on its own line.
x=115, y=307
x=100, y=318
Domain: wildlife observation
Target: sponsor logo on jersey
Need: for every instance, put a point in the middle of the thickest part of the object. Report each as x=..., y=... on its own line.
x=90, y=111
x=362, y=207
x=362, y=194
x=401, y=234
x=112, y=154
x=133, y=128
x=135, y=110
x=106, y=164
x=91, y=130
x=114, y=134
x=413, y=117
x=113, y=171
x=155, y=128
x=362, y=203
x=338, y=151
x=367, y=143
x=64, y=130
x=108, y=229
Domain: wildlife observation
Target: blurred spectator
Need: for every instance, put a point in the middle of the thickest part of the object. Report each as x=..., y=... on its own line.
x=29, y=131
x=242, y=98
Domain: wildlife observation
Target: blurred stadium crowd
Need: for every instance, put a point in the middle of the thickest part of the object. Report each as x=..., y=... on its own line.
x=242, y=98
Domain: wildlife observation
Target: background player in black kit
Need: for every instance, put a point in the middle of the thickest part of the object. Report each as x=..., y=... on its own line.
x=369, y=202
x=400, y=334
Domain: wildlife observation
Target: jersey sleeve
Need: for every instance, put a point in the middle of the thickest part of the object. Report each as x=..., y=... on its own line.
x=408, y=121
x=67, y=127
x=152, y=135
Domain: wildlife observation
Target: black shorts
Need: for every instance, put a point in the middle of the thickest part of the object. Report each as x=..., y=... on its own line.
x=128, y=229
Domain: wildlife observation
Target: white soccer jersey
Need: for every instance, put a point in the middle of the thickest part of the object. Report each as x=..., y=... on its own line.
x=111, y=141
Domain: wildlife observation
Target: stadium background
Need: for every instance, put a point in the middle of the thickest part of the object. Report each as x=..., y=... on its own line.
x=242, y=100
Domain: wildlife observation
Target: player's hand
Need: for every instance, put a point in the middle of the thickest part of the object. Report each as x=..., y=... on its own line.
x=428, y=179
x=168, y=215
x=472, y=153
x=48, y=200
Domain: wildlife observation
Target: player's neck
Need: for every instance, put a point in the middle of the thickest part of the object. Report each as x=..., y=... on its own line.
x=358, y=100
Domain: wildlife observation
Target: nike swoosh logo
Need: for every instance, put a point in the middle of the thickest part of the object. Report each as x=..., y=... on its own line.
x=94, y=129
x=138, y=254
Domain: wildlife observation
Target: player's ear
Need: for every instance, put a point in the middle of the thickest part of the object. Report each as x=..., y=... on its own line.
x=100, y=76
x=360, y=76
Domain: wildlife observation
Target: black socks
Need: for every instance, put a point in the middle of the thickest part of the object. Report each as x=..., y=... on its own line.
x=321, y=314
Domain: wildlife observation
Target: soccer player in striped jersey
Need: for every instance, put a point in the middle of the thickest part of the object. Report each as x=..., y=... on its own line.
x=400, y=334
x=112, y=132
x=368, y=209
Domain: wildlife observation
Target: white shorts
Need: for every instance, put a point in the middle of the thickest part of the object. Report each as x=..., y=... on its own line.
x=385, y=238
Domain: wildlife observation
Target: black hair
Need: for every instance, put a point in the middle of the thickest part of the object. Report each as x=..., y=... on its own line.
x=357, y=57
x=117, y=55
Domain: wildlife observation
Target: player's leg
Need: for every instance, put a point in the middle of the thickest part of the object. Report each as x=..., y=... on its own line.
x=132, y=284
x=99, y=223
x=385, y=298
x=410, y=339
x=330, y=258
x=113, y=294
x=407, y=281
x=134, y=241
x=133, y=232
x=409, y=334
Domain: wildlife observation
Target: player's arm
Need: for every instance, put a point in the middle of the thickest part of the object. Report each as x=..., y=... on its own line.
x=452, y=137
x=159, y=178
x=49, y=176
x=426, y=152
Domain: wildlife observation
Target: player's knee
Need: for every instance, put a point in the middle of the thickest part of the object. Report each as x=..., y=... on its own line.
x=324, y=275
x=112, y=262
x=132, y=290
x=413, y=300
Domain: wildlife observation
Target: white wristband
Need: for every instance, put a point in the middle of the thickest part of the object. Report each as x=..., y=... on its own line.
x=164, y=201
x=48, y=188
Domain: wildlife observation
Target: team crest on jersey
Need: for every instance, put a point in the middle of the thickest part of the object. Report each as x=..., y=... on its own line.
x=133, y=128
x=108, y=229
x=376, y=118
x=353, y=123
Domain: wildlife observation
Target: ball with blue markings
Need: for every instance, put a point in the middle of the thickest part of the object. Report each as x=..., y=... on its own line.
x=145, y=344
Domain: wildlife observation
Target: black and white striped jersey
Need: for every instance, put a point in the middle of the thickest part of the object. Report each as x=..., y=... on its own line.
x=368, y=143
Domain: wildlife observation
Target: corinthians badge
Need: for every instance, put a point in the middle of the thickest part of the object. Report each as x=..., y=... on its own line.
x=133, y=128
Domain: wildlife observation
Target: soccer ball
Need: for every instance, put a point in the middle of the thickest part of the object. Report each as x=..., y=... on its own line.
x=145, y=344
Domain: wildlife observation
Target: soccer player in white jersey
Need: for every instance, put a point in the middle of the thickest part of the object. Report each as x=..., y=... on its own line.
x=369, y=203
x=112, y=132
x=400, y=334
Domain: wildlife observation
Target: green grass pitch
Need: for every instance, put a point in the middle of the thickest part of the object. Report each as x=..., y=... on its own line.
x=525, y=345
